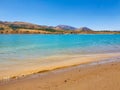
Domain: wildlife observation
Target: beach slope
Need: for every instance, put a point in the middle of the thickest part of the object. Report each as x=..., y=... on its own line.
x=92, y=76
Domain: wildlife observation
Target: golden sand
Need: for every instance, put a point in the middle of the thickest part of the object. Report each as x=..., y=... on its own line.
x=50, y=63
x=89, y=77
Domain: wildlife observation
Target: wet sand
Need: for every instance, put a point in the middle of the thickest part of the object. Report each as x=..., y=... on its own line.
x=100, y=75
x=20, y=68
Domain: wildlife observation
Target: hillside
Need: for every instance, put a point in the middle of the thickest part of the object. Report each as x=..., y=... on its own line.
x=29, y=28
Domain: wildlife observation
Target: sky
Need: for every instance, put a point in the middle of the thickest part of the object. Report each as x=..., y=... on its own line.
x=95, y=14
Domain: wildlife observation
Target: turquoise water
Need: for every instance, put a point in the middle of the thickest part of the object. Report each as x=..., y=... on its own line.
x=22, y=47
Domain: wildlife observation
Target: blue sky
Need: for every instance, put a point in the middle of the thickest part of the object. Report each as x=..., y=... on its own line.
x=95, y=14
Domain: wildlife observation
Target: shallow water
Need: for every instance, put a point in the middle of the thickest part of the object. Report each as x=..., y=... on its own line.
x=16, y=50
x=24, y=47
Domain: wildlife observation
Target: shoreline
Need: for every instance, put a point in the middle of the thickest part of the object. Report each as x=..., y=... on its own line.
x=67, y=77
x=63, y=62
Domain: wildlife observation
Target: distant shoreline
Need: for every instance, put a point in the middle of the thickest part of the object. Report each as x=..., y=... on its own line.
x=39, y=32
x=29, y=28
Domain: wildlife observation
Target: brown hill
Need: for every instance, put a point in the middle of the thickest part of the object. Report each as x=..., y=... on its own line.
x=29, y=28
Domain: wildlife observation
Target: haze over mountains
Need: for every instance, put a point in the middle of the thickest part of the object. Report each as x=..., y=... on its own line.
x=25, y=27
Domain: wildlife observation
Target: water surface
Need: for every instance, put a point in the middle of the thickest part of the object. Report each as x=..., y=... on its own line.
x=37, y=46
x=18, y=52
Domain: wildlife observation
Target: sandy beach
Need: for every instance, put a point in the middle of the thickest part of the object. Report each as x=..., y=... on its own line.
x=33, y=66
x=59, y=44
x=100, y=75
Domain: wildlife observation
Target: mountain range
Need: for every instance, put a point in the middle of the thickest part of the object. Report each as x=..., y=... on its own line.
x=29, y=28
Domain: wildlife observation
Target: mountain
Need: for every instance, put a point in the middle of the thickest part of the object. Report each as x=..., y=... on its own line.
x=65, y=27
x=24, y=27
x=16, y=25
x=29, y=28
x=85, y=29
